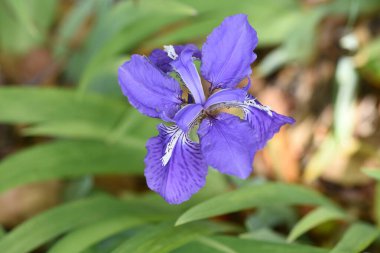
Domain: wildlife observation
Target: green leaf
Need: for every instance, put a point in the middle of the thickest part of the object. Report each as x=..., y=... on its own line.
x=356, y=239
x=264, y=234
x=374, y=173
x=70, y=159
x=165, y=237
x=225, y=244
x=34, y=105
x=24, y=24
x=377, y=204
x=313, y=219
x=254, y=196
x=50, y=224
x=138, y=22
x=61, y=113
x=70, y=25
x=2, y=232
x=271, y=216
x=84, y=237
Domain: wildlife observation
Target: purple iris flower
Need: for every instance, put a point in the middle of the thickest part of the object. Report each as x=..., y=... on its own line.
x=177, y=162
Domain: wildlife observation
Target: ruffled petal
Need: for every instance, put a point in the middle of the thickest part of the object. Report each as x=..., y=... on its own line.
x=226, y=97
x=228, y=52
x=227, y=144
x=161, y=59
x=186, y=117
x=264, y=122
x=148, y=89
x=185, y=67
x=175, y=167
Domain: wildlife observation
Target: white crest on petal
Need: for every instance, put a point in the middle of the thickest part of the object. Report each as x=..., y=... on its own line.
x=252, y=102
x=171, y=52
x=171, y=144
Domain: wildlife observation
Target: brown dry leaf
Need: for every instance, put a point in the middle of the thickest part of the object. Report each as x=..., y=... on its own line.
x=21, y=203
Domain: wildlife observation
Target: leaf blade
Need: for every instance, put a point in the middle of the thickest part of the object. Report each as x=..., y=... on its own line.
x=253, y=196
x=358, y=237
x=313, y=219
x=69, y=159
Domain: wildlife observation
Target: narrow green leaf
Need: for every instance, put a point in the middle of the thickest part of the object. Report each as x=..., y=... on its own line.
x=226, y=244
x=71, y=24
x=24, y=24
x=271, y=216
x=254, y=196
x=374, y=173
x=264, y=234
x=377, y=204
x=84, y=237
x=172, y=7
x=165, y=237
x=34, y=105
x=140, y=21
x=70, y=159
x=60, y=113
x=2, y=232
x=50, y=224
x=356, y=239
x=313, y=219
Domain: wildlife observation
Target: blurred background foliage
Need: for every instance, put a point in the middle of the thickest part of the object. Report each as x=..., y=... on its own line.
x=72, y=149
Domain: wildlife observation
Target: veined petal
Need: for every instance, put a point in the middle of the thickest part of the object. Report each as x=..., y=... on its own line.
x=185, y=67
x=161, y=59
x=148, y=89
x=228, y=144
x=187, y=116
x=228, y=52
x=264, y=122
x=175, y=167
x=226, y=97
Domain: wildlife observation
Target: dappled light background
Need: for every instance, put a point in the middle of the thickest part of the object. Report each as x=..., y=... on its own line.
x=67, y=134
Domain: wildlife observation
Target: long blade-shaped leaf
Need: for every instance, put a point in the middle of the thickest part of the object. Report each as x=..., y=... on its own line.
x=313, y=219
x=224, y=244
x=31, y=105
x=166, y=237
x=357, y=238
x=54, y=222
x=69, y=159
x=254, y=196
x=82, y=238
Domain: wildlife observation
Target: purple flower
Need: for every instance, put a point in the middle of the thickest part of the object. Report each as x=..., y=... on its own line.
x=176, y=164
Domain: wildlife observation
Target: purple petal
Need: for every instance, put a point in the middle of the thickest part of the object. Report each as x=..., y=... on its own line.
x=148, y=89
x=226, y=97
x=175, y=167
x=160, y=58
x=185, y=67
x=228, y=144
x=228, y=52
x=186, y=117
x=264, y=122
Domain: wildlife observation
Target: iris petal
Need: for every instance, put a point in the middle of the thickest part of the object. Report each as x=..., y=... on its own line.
x=148, y=89
x=228, y=52
x=178, y=175
x=227, y=97
x=187, y=116
x=228, y=144
x=264, y=122
x=160, y=58
x=185, y=67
